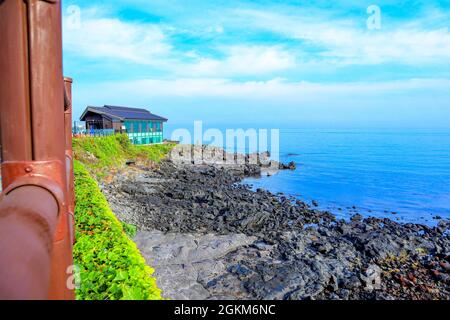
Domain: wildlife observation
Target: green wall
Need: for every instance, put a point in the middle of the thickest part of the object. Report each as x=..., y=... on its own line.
x=141, y=132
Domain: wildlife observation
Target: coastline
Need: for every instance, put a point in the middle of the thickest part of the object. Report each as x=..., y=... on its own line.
x=210, y=237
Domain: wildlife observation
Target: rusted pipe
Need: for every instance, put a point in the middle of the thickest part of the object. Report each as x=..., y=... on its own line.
x=69, y=153
x=14, y=83
x=34, y=147
x=47, y=101
x=46, y=79
x=28, y=218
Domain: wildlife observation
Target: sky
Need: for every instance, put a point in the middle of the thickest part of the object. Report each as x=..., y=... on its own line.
x=260, y=63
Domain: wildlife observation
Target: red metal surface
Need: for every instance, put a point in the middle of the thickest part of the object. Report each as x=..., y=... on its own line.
x=34, y=206
x=69, y=153
x=14, y=84
x=45, y=46
x=44, y=174
x=28, y=217
x=46, y=79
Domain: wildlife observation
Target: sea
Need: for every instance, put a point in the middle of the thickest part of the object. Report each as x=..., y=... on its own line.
x=403, y=175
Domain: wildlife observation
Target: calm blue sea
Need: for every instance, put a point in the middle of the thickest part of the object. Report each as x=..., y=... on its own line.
x=402, y=175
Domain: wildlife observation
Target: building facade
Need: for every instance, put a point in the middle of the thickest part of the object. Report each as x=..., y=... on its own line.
x=141, y=126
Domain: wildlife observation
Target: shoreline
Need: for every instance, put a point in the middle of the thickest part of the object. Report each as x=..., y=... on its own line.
x=210, y=237
x=346, y=211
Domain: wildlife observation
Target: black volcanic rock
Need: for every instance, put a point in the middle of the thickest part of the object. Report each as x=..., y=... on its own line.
x=300, y=253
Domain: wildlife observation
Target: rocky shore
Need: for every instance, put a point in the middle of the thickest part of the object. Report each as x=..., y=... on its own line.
x=210, y=237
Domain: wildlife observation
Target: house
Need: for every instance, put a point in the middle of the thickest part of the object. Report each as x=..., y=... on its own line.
x=141, y=126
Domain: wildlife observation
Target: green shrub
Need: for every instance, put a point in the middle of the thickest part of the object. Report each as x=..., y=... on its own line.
x=111, y=266
x=155, y=152
x=129, y=229
x=100, y=155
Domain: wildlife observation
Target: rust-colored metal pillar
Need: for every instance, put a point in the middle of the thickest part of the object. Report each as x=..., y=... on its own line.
x=33, y=205
x=69, y=154
x=47, y=96
x=14, y=83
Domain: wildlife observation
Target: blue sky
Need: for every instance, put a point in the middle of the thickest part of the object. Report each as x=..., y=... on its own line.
x=264, y=63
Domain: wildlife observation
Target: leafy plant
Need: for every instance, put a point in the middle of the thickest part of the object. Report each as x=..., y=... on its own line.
x=129, y=229
x=111, y=266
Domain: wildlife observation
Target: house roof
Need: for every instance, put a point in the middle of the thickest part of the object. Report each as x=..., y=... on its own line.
x=123, y=113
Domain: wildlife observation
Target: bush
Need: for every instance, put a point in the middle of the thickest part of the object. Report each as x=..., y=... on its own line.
x=100, y=155
x=153, y=153
x=111, y=266
x=129, y=229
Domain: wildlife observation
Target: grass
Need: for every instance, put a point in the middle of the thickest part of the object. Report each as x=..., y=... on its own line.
x=101, y=155
x=110, y=265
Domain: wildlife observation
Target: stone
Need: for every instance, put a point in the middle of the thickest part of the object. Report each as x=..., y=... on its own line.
x=208, y=236
x=350, y=283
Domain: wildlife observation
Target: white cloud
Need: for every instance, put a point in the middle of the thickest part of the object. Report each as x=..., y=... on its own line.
x=146, y=44
x=242, y=60
x=112, y=38
x=344, y=42
x=324, y=42
x=276, y=89
x=410, y=103
x=215, y=29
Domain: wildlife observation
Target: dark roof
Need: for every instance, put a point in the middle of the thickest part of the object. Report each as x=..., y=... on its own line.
x=123, y=113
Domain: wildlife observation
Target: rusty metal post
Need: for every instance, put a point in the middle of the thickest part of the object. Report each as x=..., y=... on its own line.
x=69, y=153
x=25, y=242
x=14, y=84
x=34, y=203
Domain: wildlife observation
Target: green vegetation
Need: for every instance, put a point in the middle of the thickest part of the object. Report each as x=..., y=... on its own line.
x=111, y=266
x=129, y=229
x=101, y=155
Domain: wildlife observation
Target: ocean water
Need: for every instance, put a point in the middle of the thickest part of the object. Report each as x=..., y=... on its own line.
x=402, y=175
